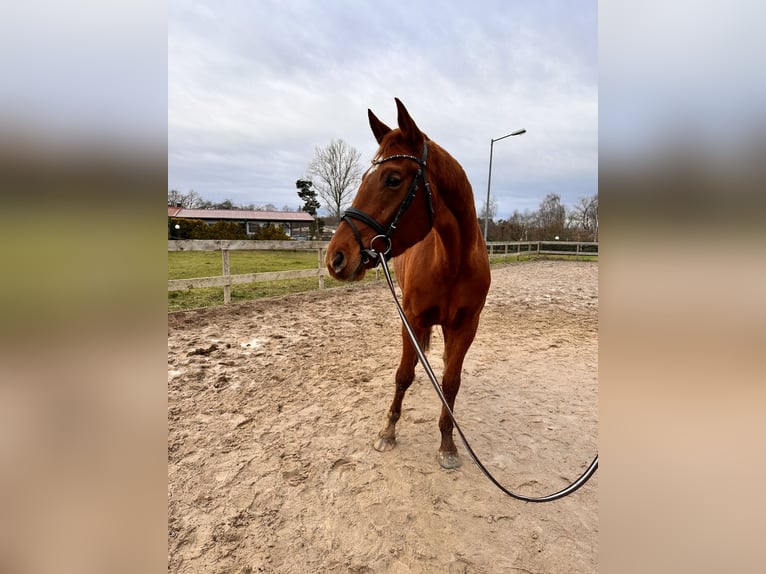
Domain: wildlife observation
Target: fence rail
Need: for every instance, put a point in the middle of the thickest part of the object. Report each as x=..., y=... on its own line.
x=242, y=245
x=495, y=249
x=518, y=248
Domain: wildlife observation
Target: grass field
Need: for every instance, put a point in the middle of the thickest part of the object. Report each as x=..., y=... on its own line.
x=191, y=264
x=497, y=259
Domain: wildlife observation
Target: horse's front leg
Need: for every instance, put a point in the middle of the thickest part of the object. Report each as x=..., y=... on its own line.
x=456, y=344
x=404, y=376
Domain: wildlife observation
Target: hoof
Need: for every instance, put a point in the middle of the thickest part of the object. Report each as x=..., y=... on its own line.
x=384, y=444
x=449, y=460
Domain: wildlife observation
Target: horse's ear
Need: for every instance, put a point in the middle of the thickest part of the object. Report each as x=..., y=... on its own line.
x=379, y=129
x=410, y=131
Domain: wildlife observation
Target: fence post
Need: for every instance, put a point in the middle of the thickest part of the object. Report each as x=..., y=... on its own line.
x=225, y=262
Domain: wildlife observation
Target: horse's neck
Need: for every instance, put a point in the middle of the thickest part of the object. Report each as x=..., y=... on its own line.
x=456, y=224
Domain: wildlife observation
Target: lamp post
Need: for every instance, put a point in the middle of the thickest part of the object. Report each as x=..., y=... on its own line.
x=489, y=179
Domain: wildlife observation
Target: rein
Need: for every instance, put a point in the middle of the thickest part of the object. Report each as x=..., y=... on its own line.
x=384, y=234
x=423, y=361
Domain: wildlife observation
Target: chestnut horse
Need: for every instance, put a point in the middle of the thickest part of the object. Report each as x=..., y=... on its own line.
x=415, y=204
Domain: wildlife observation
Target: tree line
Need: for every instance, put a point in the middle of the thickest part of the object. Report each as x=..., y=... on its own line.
x=193, y=200
x=551, y=221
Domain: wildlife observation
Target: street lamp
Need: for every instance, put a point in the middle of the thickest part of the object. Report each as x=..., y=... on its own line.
x=489, y=179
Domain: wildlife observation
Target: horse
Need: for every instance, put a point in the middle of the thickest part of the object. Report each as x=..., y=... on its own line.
x=415, y=204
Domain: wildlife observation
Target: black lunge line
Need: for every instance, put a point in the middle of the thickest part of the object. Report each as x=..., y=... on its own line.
x=423, y=361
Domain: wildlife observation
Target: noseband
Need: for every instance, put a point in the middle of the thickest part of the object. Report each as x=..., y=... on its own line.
x=372, y=254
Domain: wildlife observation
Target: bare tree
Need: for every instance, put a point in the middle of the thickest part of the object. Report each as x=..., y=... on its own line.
x=492, y=209
x=551, y=217
x=337, y=172
x=191, y=200
x=225, y=204
x=521, y=224
x=175, y=198
x=586, y=215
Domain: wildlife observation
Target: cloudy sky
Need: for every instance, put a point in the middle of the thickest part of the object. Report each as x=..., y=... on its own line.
x=255, y=87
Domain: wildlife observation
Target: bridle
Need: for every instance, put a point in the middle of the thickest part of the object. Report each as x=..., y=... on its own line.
x=371, y=254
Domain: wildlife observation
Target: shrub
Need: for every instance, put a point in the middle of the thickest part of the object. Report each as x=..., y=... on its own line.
x=272, y=232
x=198, y=229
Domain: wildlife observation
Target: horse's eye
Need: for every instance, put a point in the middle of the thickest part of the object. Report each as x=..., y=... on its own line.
x=393, y=181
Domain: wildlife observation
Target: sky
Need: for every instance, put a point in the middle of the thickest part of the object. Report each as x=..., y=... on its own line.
x=254, y=88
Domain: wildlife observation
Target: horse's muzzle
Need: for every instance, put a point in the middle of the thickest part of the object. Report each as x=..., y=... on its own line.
x=344, y=267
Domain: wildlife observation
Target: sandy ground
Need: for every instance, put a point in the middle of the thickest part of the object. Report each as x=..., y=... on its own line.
x=273, y=407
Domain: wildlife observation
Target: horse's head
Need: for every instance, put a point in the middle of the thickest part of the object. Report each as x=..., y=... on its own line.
x=393, y=208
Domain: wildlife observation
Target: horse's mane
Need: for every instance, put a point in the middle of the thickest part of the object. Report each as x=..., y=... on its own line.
x=452, y=185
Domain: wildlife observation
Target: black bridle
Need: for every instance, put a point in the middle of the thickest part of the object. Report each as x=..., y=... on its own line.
x=371, y=254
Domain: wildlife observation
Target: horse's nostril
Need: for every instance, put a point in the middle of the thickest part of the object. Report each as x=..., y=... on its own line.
x=338, y=261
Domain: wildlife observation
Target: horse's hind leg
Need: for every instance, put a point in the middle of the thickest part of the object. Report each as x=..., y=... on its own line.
x=456, y=344
x=404, y=376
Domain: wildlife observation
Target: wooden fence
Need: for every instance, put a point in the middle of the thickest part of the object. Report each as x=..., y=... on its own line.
x=518, y=248
x=226, y=280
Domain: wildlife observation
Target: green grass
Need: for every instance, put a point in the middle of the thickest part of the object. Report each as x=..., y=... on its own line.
x=191, y=264
x=533, y=257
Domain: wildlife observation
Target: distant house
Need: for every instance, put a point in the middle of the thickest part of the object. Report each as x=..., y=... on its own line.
x=295, y=223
